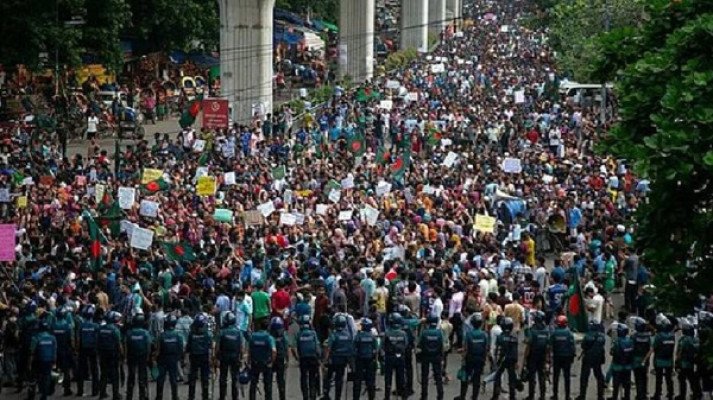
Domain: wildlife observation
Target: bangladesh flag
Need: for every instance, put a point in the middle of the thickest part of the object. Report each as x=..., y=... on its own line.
x=178, y=251
x=158, y=185
x=188, y=117
x=434, y=137
x=110, y=214
x=279, y=172
x=401, y=165
x=383, y=156
x=576, y=313
x=97, y=239
x=357, y=144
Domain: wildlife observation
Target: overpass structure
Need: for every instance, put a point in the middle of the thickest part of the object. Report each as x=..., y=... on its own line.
x=246, y=48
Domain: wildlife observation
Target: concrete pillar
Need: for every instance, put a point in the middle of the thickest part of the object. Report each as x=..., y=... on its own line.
x=246, y=56
x=356, y=39
x=414, y=25
x=436, y=16
x=454, y=9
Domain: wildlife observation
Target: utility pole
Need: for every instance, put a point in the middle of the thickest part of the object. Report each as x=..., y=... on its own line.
x=603, y=105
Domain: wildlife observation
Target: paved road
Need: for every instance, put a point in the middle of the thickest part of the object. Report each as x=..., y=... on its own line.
x=169, y=126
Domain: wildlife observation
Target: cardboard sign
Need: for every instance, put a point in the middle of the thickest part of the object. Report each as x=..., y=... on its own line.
x=371, y=215
x=519, y=97
x=252, y=218
x=4, y=195
x=127, y=197
x=206, y=186
x=383, y=188
x=141, y=238
x=386, y=104
x=484, y=223
x=215, y=113
x=22, y=202
x=7, y=242
x=322, y=209
x=335, y=196
x=199, y=145
x=348, y=182
x=288, y=219
x=345, y=215
x=223, y=215
x=512, y=165
x=450, y=159
x=266, y=208
x=148, y=208
x=99, y=190
x=279, y=172
x=229, y=178
x=151, y=175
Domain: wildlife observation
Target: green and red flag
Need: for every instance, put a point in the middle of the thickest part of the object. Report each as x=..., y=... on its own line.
x=576, y=312
x=401, y=165
x=110, y=214
x=434, y=136
x=181, y=251
x=357, y=144
x=190, y=113
x=97, y=239
x=382, y=155
x=158, y=185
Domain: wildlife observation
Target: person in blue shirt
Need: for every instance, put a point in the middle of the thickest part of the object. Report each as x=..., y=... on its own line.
x=555, y=296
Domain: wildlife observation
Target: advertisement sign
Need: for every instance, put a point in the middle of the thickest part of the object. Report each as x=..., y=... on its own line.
x=215, y=113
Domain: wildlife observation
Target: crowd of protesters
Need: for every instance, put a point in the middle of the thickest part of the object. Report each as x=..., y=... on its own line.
x=441, y=205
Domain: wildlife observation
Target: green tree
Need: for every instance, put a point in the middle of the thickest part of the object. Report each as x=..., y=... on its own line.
x=167, y=25
x=105, y=19
x=665, y=94
x=575, y=26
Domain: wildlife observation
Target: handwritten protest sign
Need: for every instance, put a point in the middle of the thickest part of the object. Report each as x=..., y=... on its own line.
x=199, y=145
x=99, y=190
x=348, y=182
x=287, y=219
x=4, y=195
x=371, y=215
x=151, y=175
x=22, y=202
x=383, y=188
x=484, y=223
x=229, y=178
x=127, y=197
x=266, y=208
x=519, y=97
x=512, y=165
x=141, y=238
x=322, y=209
x=7, y=242
x=206, y=186
x=335, y=196
x=279, y=172
x=345, y=215
x=223, y=215
x=252, y=218
x=148, y=208
x=450, y=159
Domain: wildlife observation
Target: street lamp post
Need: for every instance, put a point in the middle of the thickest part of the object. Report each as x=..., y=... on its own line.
x=607, y=27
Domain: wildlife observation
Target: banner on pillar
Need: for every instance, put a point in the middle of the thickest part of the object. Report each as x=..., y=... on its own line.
x=215, y=113
x=343, y=55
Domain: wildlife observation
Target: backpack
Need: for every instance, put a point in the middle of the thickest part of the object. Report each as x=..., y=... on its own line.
x=477, y=344
x=307, y=344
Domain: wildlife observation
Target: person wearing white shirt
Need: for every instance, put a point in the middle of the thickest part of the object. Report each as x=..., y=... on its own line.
x=92, y=126
x=437, y=306
x=595, y=304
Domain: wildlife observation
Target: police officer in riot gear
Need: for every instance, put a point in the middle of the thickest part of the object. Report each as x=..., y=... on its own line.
x=687, y=356
x=199, y=348
x=410, y=325
x=475, y=351
x=642, y=346
x=43, y=355
x=28, y=326
x=62, y=331
x=339, y=353
x=705, y=325
x=622, y=351
x=169, y=349
x=537, y=343
x=228, y=351
x=111, y=354
x=262, y=354
x=506, y=354
x=563, y=352
x=431, y=345
x=663, y=348
x=365, y=351
x=307, y=352
x=277, y=330
x=396, y=342
x=87, y=366
x=593, y=355
x=138, y=350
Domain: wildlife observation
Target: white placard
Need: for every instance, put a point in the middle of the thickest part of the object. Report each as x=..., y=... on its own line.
x=408, y=195
x=392, y=84
x=519, y=97
x=335, y=196
x=127, y=197
x=428, y=189
x=437, y=68
x=141, y=238
x=322, y=209
x=371, y=215
x=287, y=196
x=126, y=226
x=99, y=190
x=287, y=219
x=228, y=150
x=413, y=96
x=504, y=28
x=199, y=145
x=4, y=195
x=148, y=208
x=348, y=182
x=229, y=178
x=299, y=218
x=383, y=188
x=512, y=165
x=386, y=104
x=266, y=208
x=345, y=215
x=450, y=159
x=201, y=171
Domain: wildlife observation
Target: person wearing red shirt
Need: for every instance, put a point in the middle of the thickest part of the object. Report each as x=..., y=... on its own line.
x=280, y=300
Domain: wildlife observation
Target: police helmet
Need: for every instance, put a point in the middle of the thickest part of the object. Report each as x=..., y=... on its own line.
x=395, y=320
x=662, y=323
x=594, y=326
x=170, y=322
x=228, y=319
x=476, y=321
x=622, y=330
x=561, y=321
x=89, y=311
x=304, y=320
x=200, y=321
x=705, y=319
x=687, y=328
x=366, y=324
x=340, y=321
x=44, y=325
x=640, y=324
x=113, y=317
x=432, y=320
x=404, y=310
x=539, y=317
x=31, y=307
x=277, y=324
x=139, y=320
x=507, y=324
x=244, y=377
x=62, y=313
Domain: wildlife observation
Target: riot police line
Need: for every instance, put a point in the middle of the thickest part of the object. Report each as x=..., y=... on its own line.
x=65, y=349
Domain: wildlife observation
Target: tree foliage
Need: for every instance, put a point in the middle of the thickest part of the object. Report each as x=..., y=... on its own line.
x=575, y=26
x=665, y=92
